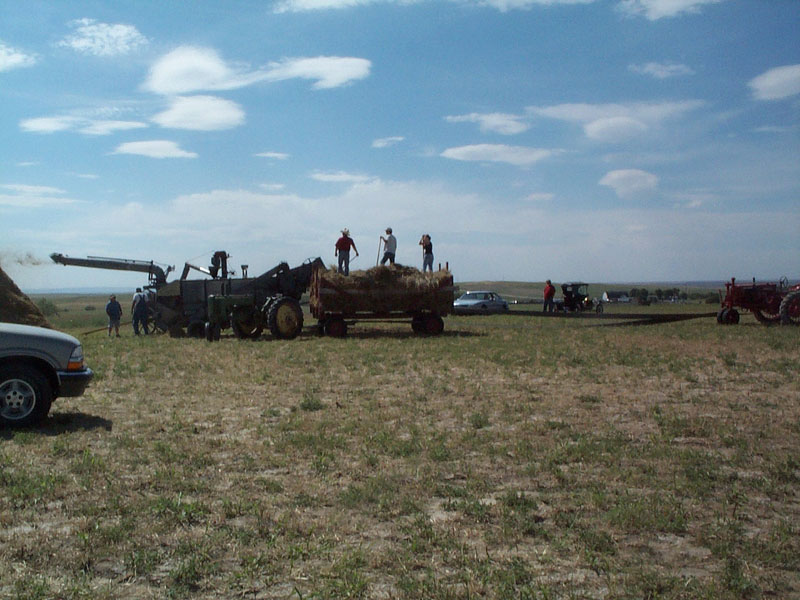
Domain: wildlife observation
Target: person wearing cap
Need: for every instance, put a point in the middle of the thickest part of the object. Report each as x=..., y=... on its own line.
x=389, y=247
x=343, y=245
x=139, y=310
x=114, y=312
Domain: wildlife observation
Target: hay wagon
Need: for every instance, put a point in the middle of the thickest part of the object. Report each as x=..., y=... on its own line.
x=393, y=293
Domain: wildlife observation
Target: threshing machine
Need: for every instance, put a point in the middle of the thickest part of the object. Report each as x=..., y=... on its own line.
x=244, y=304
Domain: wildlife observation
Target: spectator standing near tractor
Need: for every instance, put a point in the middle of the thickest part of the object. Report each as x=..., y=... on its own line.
x=549, y=293
x=343, y=245
x=139, y=311
x=114, y=312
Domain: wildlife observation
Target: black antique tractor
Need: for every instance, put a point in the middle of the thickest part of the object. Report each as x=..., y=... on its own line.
x=576, y=298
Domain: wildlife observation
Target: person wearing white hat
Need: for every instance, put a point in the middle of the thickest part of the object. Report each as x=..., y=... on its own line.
x=343, y=245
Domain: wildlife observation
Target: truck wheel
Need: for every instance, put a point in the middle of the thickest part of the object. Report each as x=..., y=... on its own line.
x=25, y=395
x=336, y=327
x=790, y=308
x=285, y=318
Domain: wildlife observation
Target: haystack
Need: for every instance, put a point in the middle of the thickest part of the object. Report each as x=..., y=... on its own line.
x=16, y=307
x=382, y=289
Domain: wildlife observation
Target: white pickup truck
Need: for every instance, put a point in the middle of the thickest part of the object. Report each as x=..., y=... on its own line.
x=37, y=365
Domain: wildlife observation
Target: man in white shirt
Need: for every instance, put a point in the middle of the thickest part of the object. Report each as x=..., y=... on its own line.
x=389, y=246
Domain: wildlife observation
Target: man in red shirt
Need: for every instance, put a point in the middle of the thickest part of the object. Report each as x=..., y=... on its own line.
x=549, y=294
x=343, y=245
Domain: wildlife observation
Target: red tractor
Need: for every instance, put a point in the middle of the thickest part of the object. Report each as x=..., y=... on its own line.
x=770, y=303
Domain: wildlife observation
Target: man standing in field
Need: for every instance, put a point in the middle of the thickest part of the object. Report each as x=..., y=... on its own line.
x=549, y=294
x=389, y=247
x=343, y=245
x=139, y=311
x=114, y=312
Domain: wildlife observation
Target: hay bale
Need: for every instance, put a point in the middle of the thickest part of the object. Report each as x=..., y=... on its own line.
x=382, y=289
x=16, y=307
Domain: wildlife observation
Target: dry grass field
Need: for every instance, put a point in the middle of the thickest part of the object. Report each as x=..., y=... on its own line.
x=510, y=457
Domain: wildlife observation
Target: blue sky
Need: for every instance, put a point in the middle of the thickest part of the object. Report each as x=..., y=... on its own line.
x=605, y=140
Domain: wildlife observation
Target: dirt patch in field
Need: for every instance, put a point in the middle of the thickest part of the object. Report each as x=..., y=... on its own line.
x=16, y=307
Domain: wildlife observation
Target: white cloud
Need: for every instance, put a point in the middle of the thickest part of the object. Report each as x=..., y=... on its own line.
x=11, y=58
x=154, y=149
x=108, y=127
x=777, y=83
x=74, y=123
x=32, y=196
x=328, y=71
x=189, y=69
x=103, y=39
x=615, y=122
x=502, y=123
x=48, y=124
x=502, y=5
x=201, y=113
x=540, y=197
x=274, y=155
x=630, y=183
x=340, y=177
x=658, y=9
x=661, y=70
x=614, y=129
x=505, y=5
x=520, y=156
x=387, y=141
x=271, y=187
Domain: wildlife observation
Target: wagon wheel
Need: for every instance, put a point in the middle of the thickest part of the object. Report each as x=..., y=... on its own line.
x=418, y=324
x=434, y=325
x=599, y=308
x=246, y=324
x=790, y=308
x=336, y=327
x=285, y=318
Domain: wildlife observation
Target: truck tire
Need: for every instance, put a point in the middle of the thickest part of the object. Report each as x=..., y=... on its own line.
x=25, y=395
x=790, y=308
x=285, y=318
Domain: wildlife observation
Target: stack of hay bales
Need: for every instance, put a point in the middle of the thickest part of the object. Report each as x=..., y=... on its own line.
x=381, y=289
x=16, y=307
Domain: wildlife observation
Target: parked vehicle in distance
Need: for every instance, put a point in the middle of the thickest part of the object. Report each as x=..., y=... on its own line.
x=37, y=365
x=479, y=303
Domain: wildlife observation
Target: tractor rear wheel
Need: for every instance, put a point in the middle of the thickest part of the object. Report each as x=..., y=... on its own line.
x=767, y=318
x=285, y=318
x=790, y=308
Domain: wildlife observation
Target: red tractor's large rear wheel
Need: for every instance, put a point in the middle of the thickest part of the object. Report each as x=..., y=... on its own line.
x=790, y=308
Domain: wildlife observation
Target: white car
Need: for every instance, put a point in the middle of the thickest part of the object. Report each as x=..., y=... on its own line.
x=479, y=303
x=37, y=365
